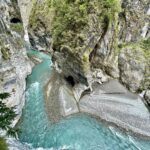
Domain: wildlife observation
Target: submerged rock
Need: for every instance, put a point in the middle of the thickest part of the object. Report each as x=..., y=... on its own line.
x=17, y=145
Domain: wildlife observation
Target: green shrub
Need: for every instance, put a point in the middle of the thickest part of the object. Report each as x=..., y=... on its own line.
x=7, y=115
x=146, y=44
x=5, y=53
x=68, y=18
x=3, y=144
x=18, y=27
x=72, y=16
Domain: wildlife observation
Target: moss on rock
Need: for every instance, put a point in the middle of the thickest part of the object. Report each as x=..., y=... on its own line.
x=18, y=27
x=143, y=45
x=5, y=53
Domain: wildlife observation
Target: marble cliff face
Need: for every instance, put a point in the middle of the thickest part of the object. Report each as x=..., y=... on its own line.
x=14, y=63
x=96, y=41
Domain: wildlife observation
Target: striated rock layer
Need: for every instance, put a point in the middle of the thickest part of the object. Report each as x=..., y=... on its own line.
x=14, y=63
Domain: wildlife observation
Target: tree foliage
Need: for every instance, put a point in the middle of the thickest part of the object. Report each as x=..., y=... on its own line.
x=68, y=19
x=7, y=115
x=3, y=144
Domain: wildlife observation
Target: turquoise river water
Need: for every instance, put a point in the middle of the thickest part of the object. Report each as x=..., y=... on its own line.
x=77, y=132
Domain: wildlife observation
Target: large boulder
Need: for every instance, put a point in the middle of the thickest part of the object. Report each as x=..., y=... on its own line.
x=114, y=103
x=60, y=100
x=132, y=66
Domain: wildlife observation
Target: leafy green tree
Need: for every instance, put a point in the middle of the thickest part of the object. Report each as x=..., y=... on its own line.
x=7, y=115
x=3, y=144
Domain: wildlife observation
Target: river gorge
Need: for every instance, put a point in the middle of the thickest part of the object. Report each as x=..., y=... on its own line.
x=76, y=132
x=74, y=75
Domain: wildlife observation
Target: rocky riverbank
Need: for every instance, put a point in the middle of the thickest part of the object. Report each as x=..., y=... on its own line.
x=110, y=101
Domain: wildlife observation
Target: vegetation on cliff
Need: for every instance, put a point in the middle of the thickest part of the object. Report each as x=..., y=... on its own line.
x=70, y=20
x=76, y=26
x=7, y=115
x=86, y=35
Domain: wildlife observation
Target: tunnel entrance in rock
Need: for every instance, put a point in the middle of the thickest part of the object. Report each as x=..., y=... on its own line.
x=15, y=20
x=70, y=80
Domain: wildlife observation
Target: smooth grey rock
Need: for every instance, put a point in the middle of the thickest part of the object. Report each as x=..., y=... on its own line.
x=111, y=87
x=60, y=100
x=132, y=66
x=125, y=109
x=78, y=89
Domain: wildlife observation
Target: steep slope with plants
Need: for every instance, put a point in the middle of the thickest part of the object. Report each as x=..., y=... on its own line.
x=96, y=40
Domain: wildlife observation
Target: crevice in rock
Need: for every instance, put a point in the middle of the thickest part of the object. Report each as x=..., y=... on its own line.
x=70, y=80
x=122, y=16
x=106, y=22
x=15, y=20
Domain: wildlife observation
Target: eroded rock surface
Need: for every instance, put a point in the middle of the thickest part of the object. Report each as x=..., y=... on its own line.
x=14, y=63
x=60, y=101
x=133, y=65
x=117, y=106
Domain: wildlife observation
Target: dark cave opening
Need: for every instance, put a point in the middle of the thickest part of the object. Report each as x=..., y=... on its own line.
x=70, y=80
x=15, y=20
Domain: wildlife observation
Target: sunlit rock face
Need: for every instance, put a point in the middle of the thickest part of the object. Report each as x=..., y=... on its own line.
x=63, y=103
x=39, y=38
x=14, y=63
x=25, y=10
x=136, y=24
x=133, y=66
x=134, y=62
